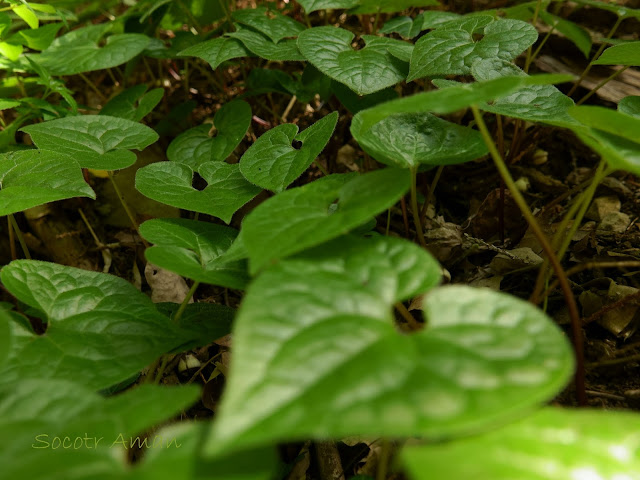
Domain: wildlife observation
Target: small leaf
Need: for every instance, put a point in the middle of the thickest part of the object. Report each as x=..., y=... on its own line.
x=38, y=38
x=448, y=50
x=78, y=51
x=101, y=329
x=205, y=321
x=171, y=183
x=411, y=139
x=313, y=5
x=197, y=145
x=451, y=99
x=260, y=45
x=483, y=358
x=124, y=105
x=11, y=50
x=355, y=103
x=624, y=54
x=29, y=178
x=578, y=35
x=302, y=217
x=195, y=250
x=27, y=14
x=533, y=103
x=95, y=141
x=630, y=105
x=273, y=162
x=271, y=23
x=550, y=444
x=364, y=71
x=217, y=51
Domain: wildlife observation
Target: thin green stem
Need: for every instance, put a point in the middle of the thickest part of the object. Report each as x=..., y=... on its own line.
x=375, y=22
x=93, y=87
x=601, y=84
x=12, y=239
x=534, y=20
x=432, y=189
x=595, y=57
x=533, y=56
x=185, y=302
x=321, y=168
x=128, y=211
x=560, y=273
x=414, y=207
x=163, y=366
x=16, y=229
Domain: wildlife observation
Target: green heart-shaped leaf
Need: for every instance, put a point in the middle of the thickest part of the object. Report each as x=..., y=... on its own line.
x=263, y=47
x=195, y=250
x=550, y=444
x=199, y=144
x=29, y=178
x=448, y=51
x=483, y=358
x=364, y=71
x=281, y=154
x=134, y=103
x=306, y=216
x=217, y=51
x=171, y=183
x=95, y=141
x=79, y=51
x=38, y=414
x=101, y=329
x=451, y=99
x=411, y=139
x=534, y=103
x=271, y=23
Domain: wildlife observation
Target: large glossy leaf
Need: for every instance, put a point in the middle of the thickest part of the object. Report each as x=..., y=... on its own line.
x=271, y=23
x=80, y=51
x=317, y=354
x=533, y=103
x=624, y=54
x=306, y=216
x=29, y=178
x=95, y=141
x=451, y=99
x=101, y=329
x=37, y=415
x=217, y=50
x=313, y=5
x=407, y=140
x=548, y=445
x=448, y=51
x=281, y=154
x=195, y=250
x=364, y=71
x=212, y=143
x=171, y=183
x=263, y=47
x=608, y=120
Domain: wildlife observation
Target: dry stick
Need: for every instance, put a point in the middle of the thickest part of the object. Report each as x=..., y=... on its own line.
x=16, y=229
x=601, y=84
x=533, y=223
x=414, y=207
x=406, y=314
x=612, y=306
x=383, y=460
x=590, y=266
x=93, y=87
x=614, y=361
x=287, y=110
x=126, y=207
x=595, y=57
x=403, y=205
